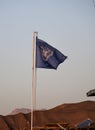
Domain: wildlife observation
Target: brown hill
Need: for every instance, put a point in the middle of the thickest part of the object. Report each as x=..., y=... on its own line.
x=72, y=114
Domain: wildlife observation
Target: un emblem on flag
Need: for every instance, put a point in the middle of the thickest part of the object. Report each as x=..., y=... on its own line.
x=46, y=53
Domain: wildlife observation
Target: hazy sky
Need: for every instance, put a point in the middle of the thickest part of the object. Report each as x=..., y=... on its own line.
x=68, y=25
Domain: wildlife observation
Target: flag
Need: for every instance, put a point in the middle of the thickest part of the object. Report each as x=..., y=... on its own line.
x=47, y=56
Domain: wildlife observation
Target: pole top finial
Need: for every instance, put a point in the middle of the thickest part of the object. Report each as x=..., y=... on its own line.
x=35, y=33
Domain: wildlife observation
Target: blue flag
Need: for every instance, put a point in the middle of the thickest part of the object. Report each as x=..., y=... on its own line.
x=47, y=56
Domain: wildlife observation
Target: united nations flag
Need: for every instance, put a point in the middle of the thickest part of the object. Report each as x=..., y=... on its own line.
x=47, y=56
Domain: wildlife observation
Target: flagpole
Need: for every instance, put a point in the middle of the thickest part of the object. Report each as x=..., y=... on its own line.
x=33, y=104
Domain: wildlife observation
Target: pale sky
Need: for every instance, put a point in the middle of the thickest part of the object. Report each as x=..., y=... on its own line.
x=69, y=26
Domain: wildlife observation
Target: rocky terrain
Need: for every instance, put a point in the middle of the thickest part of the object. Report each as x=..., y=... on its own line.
x=72, y=114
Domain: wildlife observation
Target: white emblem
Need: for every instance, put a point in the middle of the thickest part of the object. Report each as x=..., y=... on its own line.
x=46, y=53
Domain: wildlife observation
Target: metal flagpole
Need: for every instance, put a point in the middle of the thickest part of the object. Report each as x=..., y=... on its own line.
x=35, y=34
